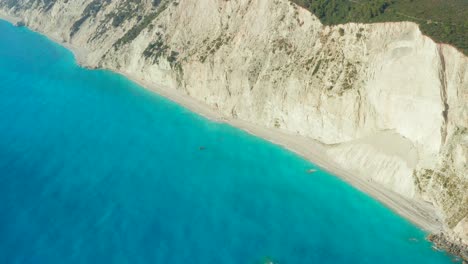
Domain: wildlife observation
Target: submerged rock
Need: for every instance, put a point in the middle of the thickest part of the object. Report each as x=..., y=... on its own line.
x=20, y=24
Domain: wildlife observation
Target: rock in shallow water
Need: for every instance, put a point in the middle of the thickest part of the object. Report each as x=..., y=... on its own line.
x=444, y=243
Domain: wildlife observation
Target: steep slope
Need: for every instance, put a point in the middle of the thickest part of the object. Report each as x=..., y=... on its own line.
x=391, y=104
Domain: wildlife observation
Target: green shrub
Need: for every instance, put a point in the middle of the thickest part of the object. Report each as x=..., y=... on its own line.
x=443, y=20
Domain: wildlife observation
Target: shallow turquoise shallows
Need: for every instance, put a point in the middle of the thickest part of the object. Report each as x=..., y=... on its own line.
x=95, y=169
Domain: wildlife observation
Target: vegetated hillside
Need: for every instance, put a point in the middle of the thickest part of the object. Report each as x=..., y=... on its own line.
x=445, y=21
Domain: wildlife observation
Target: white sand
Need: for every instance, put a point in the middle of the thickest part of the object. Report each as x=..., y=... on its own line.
x=9, y=18
x=420, y=213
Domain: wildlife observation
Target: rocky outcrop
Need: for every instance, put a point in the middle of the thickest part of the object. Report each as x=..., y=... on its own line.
x=442, y=242
x=390, y=103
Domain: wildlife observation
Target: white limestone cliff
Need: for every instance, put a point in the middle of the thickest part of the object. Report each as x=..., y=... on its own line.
x=391, y=103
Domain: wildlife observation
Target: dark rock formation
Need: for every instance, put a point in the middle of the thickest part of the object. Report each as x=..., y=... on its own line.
x=442, y=242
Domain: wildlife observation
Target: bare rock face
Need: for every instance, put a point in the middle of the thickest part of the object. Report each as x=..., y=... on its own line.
x=391, y=104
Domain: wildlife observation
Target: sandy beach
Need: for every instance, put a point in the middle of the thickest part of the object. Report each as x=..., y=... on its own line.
x=420, y=213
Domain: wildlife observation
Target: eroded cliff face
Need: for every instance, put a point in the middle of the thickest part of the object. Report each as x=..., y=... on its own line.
x=391, y=104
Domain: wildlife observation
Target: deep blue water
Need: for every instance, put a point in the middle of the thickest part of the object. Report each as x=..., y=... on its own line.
x=95, y=169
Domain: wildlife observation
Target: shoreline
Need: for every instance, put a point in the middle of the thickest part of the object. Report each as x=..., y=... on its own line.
x=419, y=213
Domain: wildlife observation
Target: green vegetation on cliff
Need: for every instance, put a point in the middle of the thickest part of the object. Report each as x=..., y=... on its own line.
x=445, y=21
x=90, y=11
x=144, y=22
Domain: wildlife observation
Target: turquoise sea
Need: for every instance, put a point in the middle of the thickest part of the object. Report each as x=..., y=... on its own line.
x=95, y=169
